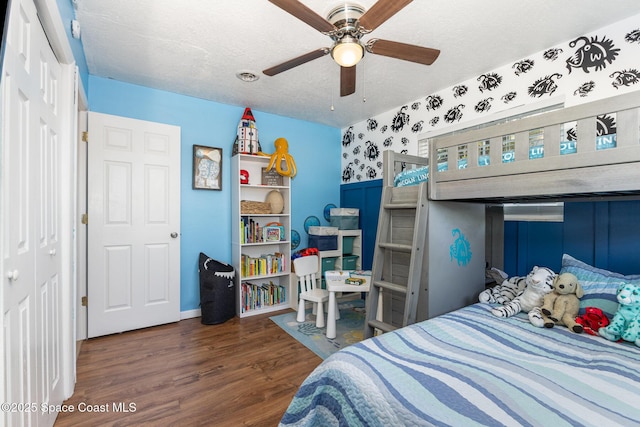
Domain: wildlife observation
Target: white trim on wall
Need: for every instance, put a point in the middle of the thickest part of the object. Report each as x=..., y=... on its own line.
x=54, y=28
x=189, y=314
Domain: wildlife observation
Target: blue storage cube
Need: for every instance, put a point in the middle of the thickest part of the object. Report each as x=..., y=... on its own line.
x=349, y=262
x=347, y=244
x=345, y=218
x=323, y=238
x=328, y=264
x=323, y=243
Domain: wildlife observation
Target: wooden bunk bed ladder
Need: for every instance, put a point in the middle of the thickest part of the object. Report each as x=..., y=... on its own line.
x=401, y=236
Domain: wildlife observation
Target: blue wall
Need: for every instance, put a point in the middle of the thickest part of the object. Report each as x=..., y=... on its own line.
x=603, y=234
x=206, y=215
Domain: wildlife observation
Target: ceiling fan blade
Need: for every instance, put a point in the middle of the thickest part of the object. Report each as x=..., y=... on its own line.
x=347, y=80
x=287, y=65
x=305, y=14
x=408, y=52
x=380, y=12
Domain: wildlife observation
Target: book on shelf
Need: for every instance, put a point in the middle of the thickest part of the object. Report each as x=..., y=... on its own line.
x=263, y=265
x=252, y=232
x=256, y=296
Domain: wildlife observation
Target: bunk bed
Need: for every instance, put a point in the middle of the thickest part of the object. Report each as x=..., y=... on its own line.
x=589, y=151
x=468, y=367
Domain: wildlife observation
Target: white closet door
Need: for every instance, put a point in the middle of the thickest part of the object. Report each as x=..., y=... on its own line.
x=31, y=203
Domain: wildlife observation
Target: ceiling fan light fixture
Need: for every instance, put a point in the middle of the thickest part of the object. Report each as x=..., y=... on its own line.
x=346, y=24
x=347, y=52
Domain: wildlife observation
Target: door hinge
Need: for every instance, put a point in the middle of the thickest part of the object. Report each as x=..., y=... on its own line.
x=85, y=302
x=85, y=136
x=85, y=219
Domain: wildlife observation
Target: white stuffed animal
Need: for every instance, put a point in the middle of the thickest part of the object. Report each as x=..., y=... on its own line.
x=531, y=298
x=505, y=291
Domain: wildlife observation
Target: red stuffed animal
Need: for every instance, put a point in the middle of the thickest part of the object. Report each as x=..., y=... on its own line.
x=592, y=320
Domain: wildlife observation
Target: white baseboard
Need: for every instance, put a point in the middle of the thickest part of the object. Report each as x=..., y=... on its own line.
x=190, y=314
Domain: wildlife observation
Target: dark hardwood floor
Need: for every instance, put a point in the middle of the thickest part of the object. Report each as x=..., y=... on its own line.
x=243, y=372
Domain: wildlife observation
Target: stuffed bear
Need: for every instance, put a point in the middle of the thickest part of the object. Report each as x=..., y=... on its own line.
x=561, y=306
x=626, y=322
x=531, y=298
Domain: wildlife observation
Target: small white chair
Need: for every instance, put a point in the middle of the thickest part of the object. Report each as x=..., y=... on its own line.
x=306, y=268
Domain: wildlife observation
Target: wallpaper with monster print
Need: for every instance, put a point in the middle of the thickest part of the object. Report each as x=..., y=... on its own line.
x=593, y=66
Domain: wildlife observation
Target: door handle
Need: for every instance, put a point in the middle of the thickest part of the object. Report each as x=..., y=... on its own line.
x=174, y=235
x=52, y=252
x=13, y=275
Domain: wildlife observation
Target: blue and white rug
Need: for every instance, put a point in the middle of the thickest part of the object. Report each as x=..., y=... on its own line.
x=349, y=328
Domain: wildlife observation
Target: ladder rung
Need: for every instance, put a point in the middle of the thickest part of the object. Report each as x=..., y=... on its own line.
x=390, y=286
x=384, y=327
x=400, y=206
x=396, y=247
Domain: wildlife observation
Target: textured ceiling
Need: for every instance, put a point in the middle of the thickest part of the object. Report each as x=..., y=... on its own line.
x=196, y=48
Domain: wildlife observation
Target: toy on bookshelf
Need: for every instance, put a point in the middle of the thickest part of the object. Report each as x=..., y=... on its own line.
x=269, y=230
x=247, y=141
x=244, y=176
x=252, y=232
x=271, y=234
x=281, y=156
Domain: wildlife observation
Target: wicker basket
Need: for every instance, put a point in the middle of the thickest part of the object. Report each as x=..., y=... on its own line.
x=252, y=207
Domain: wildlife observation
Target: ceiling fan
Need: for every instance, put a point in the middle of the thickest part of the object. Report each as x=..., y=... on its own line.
x=345, y=25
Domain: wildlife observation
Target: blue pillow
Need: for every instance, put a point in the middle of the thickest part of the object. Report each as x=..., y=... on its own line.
x=600, y=286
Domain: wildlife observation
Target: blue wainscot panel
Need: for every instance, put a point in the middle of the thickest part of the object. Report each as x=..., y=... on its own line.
x=366, y=197
x=603, y=234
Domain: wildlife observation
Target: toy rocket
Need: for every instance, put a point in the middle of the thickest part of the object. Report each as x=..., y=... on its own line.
x=247, y=138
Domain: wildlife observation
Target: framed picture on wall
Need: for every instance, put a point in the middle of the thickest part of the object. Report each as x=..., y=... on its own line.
x=207, y=168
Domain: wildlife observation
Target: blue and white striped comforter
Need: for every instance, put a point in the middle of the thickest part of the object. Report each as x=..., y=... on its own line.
x=470, y=368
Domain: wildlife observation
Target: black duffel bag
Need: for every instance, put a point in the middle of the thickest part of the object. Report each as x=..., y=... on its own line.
x=217, y=291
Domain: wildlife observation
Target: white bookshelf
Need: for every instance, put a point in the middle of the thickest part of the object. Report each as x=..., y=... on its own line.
x=253, y=245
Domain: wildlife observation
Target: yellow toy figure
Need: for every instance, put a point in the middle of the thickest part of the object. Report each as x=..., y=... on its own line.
x=281, y=155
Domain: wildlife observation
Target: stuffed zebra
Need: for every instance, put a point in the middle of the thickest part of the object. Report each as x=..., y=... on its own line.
x=531, y=298
x=505, y=292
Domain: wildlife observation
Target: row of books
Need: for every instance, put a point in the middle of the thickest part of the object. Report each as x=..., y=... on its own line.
x=252, y=232
x=256, y=296
x=263, y=265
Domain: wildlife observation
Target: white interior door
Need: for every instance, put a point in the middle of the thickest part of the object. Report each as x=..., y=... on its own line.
x=134, y=224
x=31, y=204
